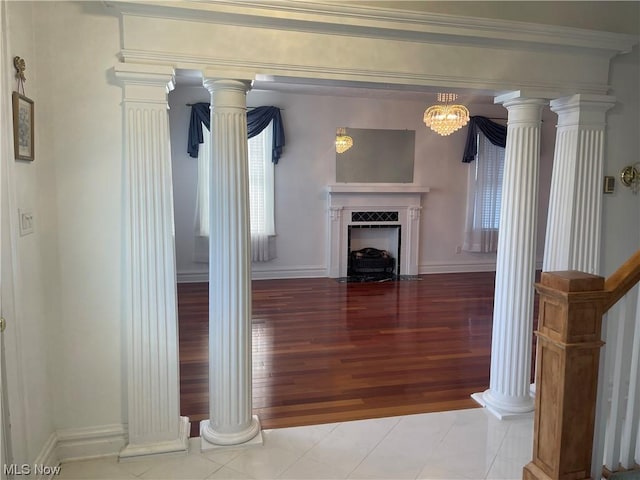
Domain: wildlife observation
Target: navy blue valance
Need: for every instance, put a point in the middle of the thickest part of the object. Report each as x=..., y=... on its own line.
x=199, y=115
x=257, y=120
x=496, y=133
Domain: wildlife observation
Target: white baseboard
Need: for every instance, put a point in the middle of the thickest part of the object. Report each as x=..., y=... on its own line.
x=318, y=271
x=47, y=460
x=304, y=271
x=91, y=442
x=104, y=441
x=438, y=267
x=192, y=277
x=262, y=273
x=435, y=267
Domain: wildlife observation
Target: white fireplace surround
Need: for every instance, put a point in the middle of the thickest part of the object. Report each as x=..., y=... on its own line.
x=347, y=198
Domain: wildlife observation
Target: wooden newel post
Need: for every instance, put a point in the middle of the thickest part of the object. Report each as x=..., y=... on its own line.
x=568, y=351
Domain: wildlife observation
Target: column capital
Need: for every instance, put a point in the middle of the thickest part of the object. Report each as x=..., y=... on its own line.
x=227, y=93
x=214, y=84
x=521, y=97
x=145, y=83
x=582, y=109
x=522, y=110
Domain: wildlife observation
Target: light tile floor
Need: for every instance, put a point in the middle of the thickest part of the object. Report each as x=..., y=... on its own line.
x=463, y=444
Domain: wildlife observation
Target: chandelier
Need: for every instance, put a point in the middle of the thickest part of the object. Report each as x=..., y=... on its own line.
x=445, y=118
x=343, y=141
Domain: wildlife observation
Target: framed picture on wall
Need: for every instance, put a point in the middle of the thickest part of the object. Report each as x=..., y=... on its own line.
x=23, y=139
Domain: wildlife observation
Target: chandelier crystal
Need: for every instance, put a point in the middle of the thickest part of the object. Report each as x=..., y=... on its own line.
x=343, y=141
x=445, y=118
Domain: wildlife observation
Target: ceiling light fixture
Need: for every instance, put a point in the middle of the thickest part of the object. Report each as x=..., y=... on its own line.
x=445, y=118
x=343, y=141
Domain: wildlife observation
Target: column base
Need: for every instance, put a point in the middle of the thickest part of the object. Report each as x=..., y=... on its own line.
x=210, y=439
x=502, y=410
x=178, y=446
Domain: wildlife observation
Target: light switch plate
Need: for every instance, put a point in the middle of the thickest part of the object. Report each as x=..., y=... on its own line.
x=609, y=184
x=25, y=219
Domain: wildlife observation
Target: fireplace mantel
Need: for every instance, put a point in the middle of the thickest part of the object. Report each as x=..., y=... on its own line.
x=345, y=199
x=378, y=188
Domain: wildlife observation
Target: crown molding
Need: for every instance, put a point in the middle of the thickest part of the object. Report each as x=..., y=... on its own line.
x=333, y=18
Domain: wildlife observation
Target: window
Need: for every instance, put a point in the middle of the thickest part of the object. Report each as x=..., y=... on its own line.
x=484, y=196
x=261, y=192
x=261, y=183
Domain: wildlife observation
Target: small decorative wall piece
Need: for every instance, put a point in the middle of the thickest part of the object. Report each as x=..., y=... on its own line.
x=22, y=127
x=23, y=137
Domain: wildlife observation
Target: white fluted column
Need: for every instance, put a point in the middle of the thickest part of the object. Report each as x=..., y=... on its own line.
x=151, y=322
x=231, y=421
x=508, y=392
x=575, y=203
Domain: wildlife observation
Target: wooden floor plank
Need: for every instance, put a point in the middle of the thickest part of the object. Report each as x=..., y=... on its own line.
x=325, y=351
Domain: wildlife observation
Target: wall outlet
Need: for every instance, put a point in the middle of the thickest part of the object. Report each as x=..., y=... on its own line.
x=458, y=249
x=25, y=219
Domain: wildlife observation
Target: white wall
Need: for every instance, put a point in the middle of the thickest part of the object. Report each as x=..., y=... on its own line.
x=67, y=356
x=27, y=284
x=621, y=210
x=81, y=125
x=308, y=166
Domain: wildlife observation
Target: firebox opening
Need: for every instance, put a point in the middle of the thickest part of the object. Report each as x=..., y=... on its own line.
x=373, y=251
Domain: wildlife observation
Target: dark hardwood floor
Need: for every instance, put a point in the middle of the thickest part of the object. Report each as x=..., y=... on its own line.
x=325, y=351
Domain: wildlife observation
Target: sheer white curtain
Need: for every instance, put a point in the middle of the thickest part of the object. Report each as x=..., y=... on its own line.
x=484, y=195
x=261, y=194
x=261, y=198
x=201, y=247
x=202, y=191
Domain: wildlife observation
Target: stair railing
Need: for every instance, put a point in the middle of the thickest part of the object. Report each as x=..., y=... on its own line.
x=618, y=407
x=572, y=305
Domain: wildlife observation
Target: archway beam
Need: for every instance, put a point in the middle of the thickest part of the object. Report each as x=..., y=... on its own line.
x=307, y=40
